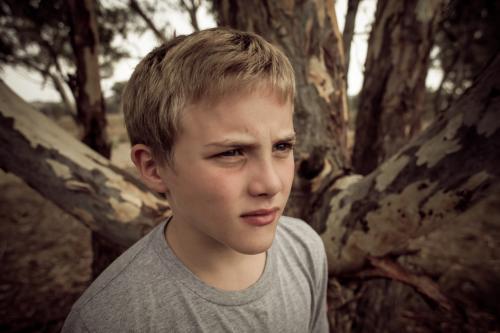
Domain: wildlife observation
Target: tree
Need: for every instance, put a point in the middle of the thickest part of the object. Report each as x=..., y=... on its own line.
x=82, y=182
x=313, y=44
x=419, y=220
x=90, y=102
x=392, y=96
x=191, y=7
x=91, y=111
x=35, y=36
x=134, y=5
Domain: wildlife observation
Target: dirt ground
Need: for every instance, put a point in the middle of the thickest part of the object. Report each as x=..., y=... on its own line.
x=45, y=254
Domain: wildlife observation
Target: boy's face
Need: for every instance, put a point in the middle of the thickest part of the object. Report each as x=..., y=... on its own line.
x=232, y=171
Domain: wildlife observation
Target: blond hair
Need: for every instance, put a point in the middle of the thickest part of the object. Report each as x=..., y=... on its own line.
x=203, y=66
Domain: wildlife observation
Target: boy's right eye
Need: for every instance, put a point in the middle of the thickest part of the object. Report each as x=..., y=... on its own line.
x=230, y=153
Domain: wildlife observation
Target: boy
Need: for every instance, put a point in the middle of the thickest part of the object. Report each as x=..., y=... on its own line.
x=209, y=117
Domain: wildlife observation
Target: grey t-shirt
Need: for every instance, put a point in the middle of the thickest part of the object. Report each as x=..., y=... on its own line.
x=147, y=289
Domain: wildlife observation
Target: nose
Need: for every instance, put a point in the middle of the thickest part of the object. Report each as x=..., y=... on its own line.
x=265, y=179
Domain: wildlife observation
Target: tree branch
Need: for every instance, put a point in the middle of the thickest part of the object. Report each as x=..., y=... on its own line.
x=134, y=5
x=192, y=8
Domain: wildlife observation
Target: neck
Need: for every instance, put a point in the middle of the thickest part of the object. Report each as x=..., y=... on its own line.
x=212, y=262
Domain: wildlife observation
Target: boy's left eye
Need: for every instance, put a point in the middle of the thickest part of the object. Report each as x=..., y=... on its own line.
x=283, y=146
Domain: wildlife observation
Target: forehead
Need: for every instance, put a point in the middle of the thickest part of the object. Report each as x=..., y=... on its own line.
x=232, y=87
x=257, y=112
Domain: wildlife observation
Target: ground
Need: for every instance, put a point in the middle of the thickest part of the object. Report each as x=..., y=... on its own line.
x=45, y=253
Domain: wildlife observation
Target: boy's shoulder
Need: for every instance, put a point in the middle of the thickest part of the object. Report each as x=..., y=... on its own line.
x=133, y=273
x=129, y=265
x=299, y=242
x=298, y=234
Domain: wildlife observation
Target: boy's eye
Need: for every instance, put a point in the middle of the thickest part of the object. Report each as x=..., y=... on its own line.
x=230, y=153
x=283, y=147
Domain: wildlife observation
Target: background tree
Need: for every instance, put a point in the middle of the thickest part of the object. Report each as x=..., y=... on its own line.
x=90, y=102
x=35, y=36
x=414, y=245
x=146, y=17
x=392, y=98
x=91, y=111
x=148, y=9
x=191, y=7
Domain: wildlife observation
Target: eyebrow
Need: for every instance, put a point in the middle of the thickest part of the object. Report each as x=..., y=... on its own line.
x=246, y=143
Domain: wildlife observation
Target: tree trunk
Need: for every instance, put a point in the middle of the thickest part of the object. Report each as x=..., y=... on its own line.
x=391, y=100
x=415, y=245
x=105, y=198
x=348, y=34
x=90, y=102
x=308, y=33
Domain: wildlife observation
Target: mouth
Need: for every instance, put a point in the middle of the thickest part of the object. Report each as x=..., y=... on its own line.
x=260, y=217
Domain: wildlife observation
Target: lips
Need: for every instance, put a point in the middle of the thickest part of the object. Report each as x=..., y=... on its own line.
x=260, y=217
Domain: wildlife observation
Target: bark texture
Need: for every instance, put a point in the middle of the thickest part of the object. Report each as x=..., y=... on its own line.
x=391, y=100
x=308, y=33
x=89, y=99
x=88, y=186
x=415, y=245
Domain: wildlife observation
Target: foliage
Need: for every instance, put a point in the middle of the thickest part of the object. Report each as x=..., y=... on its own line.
x=35, y=35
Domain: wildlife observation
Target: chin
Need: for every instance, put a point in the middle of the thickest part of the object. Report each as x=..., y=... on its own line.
x=251, y=248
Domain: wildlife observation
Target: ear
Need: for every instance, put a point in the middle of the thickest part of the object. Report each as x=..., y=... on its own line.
x=149, y=169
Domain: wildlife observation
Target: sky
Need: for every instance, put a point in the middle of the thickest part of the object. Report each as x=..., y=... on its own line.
x=30, y=86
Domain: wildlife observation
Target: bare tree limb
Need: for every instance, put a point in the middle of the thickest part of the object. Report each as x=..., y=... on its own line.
x=191, y=6
x=88, y=186
x=134, y=5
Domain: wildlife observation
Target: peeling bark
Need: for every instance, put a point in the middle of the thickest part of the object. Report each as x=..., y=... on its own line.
x=308, y=33
x=428, y=218
x=88, y=186
x=391, y=100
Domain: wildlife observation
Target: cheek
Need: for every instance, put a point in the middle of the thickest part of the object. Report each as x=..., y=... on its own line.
x=288, y=172
x=216, y=187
